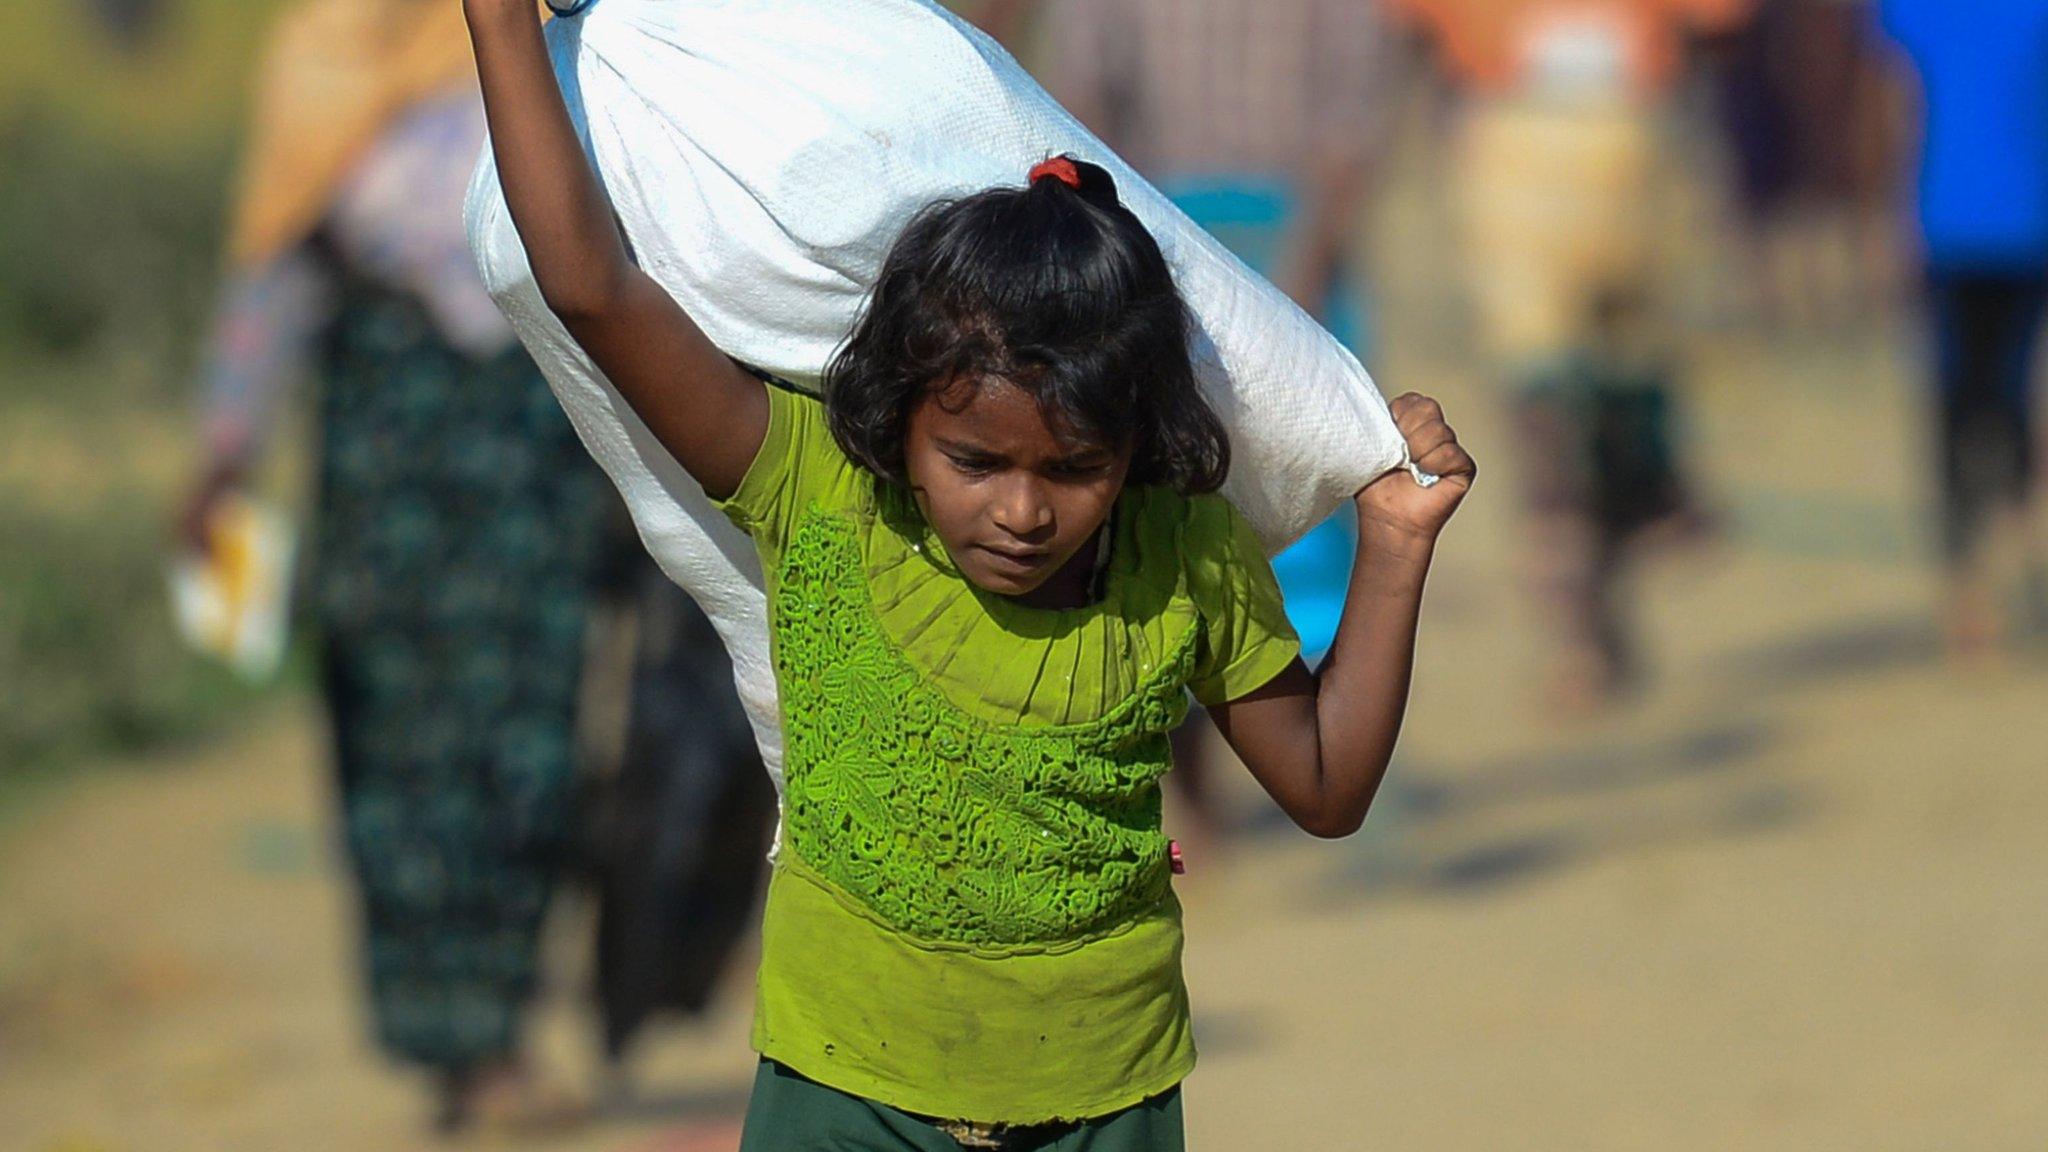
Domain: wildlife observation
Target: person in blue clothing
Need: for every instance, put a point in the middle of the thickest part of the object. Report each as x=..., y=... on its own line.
x=1983, y=223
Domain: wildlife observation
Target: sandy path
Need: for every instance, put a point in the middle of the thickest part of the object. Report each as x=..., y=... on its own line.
x=1791, y=900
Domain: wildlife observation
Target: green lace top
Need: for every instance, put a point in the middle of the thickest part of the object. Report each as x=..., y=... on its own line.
x=971, y=915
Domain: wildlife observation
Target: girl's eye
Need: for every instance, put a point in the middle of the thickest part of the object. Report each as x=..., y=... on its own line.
x=973, y=465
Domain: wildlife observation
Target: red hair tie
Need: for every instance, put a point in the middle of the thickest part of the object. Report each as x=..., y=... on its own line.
x=1059, y=168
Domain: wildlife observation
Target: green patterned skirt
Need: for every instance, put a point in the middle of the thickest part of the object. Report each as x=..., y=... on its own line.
x=459, y=524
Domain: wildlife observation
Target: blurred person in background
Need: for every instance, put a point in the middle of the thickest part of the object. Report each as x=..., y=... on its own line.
x=1803, y=97
x=458, y=528
x=1008, y=21
x=1982, y=219
x=1263, y=120
x=1562, y=108
x=678, y=811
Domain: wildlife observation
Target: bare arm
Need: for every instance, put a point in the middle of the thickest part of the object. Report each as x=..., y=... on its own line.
x=267, y=319
x=1334, y=194
x=1320, y=742
x=1006, y=20
x=707, y=411
x=1352, y=85
x=1090, y=56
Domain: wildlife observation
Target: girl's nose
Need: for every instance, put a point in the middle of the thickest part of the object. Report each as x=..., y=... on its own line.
x=1023, y=511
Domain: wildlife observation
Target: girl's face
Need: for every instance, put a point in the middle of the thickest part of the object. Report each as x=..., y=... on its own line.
x=1012, y=497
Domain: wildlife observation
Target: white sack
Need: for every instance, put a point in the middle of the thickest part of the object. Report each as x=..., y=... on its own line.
x=762, y=156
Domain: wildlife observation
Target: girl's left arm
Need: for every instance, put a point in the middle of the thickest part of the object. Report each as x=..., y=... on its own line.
x=1319, y=742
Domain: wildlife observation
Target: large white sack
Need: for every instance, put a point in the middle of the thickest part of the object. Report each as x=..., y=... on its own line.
x=762, y=155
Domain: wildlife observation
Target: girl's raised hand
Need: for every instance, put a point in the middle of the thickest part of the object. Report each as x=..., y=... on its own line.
x=1398, y=506
x=1320, y=741
x=707, y=411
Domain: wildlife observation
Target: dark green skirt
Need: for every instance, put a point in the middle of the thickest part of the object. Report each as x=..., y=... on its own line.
x=457, y=544
x=789, y=1113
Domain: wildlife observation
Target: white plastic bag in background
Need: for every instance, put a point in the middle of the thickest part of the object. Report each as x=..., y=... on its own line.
x=762, y=156
x=233, y=600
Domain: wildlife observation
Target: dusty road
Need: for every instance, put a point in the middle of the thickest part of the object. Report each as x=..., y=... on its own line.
x=1792, y=898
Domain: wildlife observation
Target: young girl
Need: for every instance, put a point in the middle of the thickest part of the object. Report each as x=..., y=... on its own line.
x=996, y=565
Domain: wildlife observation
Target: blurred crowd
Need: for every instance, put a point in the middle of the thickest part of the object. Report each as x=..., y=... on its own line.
x=483, y=611
x=1560, y=131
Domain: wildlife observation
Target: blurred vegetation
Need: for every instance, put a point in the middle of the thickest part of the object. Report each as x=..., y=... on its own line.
x=113, y=169
x=108, y=256
x=185, y=88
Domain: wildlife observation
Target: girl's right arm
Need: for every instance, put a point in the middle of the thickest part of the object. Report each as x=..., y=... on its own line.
x=1320, y=741
x=705, y=409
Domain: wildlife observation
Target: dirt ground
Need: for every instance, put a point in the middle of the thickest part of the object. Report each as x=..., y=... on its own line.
x=1791, y=897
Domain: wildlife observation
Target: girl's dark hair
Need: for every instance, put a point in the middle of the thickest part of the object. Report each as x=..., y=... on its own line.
x=1056, y=289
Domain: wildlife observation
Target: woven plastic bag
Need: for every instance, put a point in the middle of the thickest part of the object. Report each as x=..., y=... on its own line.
x=763, y=155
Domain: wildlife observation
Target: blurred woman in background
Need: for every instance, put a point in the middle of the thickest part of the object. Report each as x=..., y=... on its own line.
x=458, y=525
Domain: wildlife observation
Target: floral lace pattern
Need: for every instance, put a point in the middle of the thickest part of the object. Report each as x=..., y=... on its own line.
x=945, y=826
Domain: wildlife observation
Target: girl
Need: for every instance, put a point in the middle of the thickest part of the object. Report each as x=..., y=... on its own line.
x=995, y=566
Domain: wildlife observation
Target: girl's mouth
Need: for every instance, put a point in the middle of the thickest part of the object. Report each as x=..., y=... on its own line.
x=1017, y=561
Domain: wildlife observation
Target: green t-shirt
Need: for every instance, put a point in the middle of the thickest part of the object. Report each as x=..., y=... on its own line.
x=971, y=916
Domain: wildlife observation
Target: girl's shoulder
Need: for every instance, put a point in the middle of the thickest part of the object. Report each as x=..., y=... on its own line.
x=1222, y=571
x=1217, y=551
x=1206, y=528
x=799, y=467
